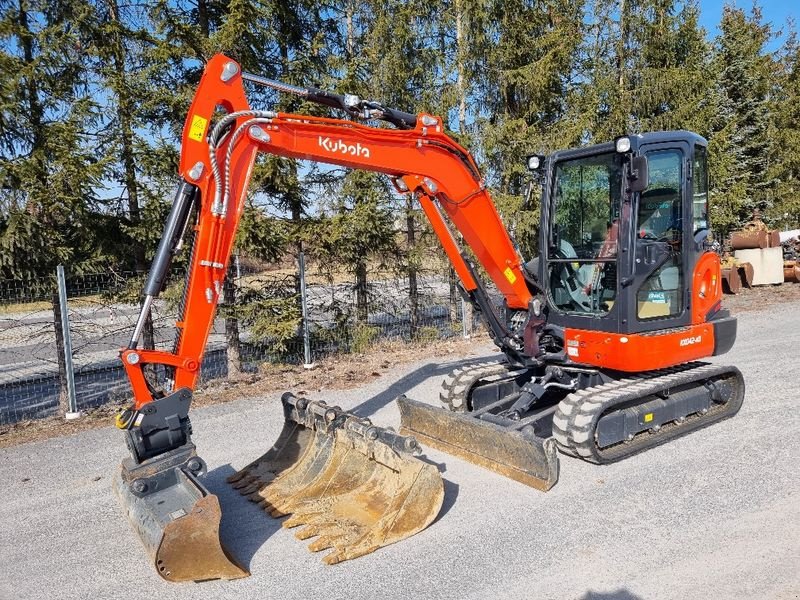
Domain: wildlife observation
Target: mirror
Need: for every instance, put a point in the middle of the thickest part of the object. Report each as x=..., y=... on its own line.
x=638, y=178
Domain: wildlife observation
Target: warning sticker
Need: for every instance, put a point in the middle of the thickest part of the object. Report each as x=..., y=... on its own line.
x=510, y=275
x=198, y=128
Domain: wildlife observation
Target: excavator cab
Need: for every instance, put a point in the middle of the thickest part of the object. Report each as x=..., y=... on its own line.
x=625, y=246
x=626, y=224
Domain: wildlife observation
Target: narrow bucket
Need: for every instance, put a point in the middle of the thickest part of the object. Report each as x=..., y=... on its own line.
x=518, y=454
x=354, y=486
x=176, y=517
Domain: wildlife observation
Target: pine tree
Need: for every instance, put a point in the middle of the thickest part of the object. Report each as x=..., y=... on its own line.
x=785, y=131
x=740, y=144
x=644, y=67
x=48, y=170
x=532, y=56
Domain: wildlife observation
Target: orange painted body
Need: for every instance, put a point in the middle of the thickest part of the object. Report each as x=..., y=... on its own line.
x=640, y=352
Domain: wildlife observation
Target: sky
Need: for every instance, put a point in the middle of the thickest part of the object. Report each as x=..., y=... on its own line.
x=777, y=12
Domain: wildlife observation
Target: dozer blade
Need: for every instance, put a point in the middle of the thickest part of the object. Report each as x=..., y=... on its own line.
x=518, y=454
x=176, y=517
x=354, y=486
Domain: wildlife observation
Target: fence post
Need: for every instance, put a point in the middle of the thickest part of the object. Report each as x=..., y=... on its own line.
x=301, y=264
x=72, y=412
x=466, y=319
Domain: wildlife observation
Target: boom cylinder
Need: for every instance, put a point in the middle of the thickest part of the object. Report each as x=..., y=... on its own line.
x=170, y=240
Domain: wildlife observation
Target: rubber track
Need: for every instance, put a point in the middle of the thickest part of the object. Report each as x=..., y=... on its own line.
x=577, y=415
x=457, y=384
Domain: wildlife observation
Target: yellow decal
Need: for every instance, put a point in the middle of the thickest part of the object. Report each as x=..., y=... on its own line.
x=648, y=417
x=198, y=128
x=510, y=275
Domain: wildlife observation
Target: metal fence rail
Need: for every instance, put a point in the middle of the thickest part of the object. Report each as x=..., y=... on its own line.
x=102, y=310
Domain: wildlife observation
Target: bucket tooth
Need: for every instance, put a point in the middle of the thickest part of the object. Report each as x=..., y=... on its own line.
x=298, y=519
x=321, y=543
x=518, y=454
x=176, y=517
x=354, y=486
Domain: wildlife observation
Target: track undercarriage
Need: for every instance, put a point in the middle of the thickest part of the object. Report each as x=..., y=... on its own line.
x=606, y=417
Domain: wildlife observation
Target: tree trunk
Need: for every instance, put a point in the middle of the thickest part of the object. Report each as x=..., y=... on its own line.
x=63, y=392
x=460, y=69
x=119, y=86
x=232, y=340
x=413, y=291
x=455, y=297
x=350, y=29
x=362, y=305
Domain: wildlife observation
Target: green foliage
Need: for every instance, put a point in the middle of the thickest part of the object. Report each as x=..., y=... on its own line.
x=93, y=98
x=362, y=337
x=361, y=224
x=741, y=145
x=269, y=309
x=784, y=168
x=49, y=170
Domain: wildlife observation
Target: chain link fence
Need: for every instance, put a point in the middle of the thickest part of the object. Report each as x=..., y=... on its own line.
x=259, y=320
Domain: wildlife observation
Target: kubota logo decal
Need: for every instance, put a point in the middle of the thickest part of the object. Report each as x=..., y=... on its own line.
x=691, y=340
x=338, y=146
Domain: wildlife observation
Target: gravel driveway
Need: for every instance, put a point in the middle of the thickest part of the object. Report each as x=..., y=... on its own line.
x=712, y=515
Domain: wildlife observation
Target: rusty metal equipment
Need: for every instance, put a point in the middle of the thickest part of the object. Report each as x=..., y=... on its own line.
x=731, y=281
x=791, y=271
x=753, y=234
x=354, y=486
x=512, y=449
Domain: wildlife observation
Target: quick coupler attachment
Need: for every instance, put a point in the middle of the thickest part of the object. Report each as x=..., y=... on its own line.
x=354, y=486
x=176, y=517
x=513, y=451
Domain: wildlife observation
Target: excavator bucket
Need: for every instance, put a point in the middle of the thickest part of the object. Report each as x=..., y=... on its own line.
x=516, y=453
x=176, y=517
x=354, y=486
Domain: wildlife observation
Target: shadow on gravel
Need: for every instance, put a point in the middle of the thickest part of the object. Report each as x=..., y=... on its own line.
x=244, y=527
x=622, y=594
x=405, y=383
x=450, y=495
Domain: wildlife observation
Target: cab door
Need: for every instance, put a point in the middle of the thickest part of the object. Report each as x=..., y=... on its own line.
x=657, y=298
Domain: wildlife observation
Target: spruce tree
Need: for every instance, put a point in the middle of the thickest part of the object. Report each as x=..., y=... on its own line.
x=48, y=167
x=49, y=173
x=533, y=49
x=784, y=169
x=740, y=144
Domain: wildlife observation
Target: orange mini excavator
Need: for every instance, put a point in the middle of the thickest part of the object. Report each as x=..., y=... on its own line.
x=600, y=334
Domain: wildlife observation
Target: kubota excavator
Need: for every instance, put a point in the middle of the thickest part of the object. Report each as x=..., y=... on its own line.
x=600, y=334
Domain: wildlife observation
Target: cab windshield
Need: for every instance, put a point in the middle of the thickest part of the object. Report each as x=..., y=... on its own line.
x=582, y=253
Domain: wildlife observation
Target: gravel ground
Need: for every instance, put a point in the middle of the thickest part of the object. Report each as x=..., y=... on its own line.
x=712, y=515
